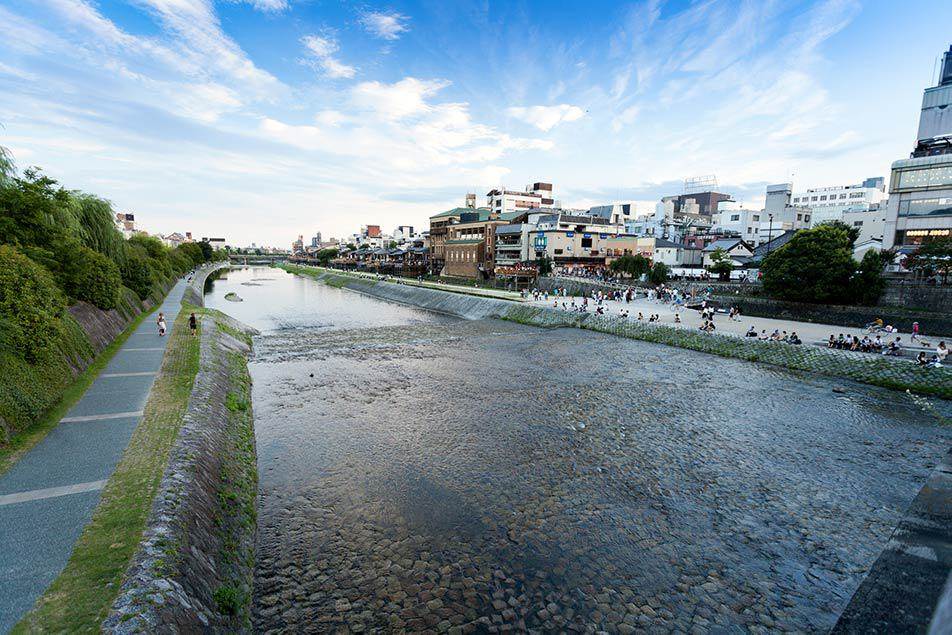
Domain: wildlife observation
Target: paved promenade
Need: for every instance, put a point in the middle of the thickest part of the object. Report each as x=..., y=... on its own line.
x=49, y=496
x=809, y=332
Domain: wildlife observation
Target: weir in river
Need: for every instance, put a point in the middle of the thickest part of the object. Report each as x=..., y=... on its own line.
x=422, y=471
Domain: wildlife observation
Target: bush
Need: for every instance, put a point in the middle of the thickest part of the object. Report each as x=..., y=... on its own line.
x=90, y=276
x=137, y=272
x=31, y=305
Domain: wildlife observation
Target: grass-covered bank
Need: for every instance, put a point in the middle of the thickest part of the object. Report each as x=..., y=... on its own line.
x=79, y=599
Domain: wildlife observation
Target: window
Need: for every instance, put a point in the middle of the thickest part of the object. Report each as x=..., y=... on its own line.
x=806, y=218
x=813, y=198
x=823, y=198
x=856, y=195
x=735, y=217
x=924, y=177
x=757, y=218
x=799, y=216
x=842, y=195
x=926, y=207
x=750, y=229
x=586, y=243
x=796, y=200
x=558, y=252
x=857, y=223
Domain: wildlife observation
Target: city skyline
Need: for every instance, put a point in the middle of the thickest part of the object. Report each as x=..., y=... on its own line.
x=324, y=118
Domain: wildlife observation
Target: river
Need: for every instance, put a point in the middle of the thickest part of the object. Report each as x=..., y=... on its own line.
x=422, y=472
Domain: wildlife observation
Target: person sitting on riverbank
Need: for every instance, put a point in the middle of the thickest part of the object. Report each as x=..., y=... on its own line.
x=763, y=337
x=794, y=339
x=831, y=343
x=894, y=348
x=941, y=351
x=641, y=318
x=854, y=344
x=877, y=344
x=921, y=359
x=751, y=332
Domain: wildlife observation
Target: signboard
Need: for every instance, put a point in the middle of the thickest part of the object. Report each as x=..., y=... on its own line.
x=540, y=242
x=586, y=235
x=569, y=234
x=603, y=236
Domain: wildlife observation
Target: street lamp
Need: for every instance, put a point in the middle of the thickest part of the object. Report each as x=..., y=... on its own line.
x=769, y=232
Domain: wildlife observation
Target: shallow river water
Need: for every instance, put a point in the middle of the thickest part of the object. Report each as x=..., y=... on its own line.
x=420, y=472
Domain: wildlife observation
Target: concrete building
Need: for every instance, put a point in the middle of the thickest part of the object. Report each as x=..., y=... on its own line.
x=733, y=219
x=404, y=233
x=503, y=201
x=616, y=213
x=780, y=215
x=830, y=203
x=920, y=187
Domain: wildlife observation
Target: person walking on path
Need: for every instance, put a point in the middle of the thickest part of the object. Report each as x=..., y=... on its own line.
x=193, y=324
x=161, y=324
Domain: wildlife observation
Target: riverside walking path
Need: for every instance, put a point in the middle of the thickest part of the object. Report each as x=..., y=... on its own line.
x=49, y=495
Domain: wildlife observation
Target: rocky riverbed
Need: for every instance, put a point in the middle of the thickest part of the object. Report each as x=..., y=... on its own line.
x=459, y=476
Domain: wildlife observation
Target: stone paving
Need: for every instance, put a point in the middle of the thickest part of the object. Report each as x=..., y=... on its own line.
x=485, y=476
x=50, y=494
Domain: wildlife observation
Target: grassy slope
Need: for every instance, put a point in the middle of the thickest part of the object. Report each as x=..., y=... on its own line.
x=80, y=598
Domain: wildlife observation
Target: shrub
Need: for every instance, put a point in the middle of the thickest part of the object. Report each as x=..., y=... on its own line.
x=137, y=272
x=31, y=305
x=816, y=265
x=90, y=276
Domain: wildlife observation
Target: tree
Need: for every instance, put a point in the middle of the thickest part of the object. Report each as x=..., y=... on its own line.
x=660, y=273
x=8, y=168
x=868, y=282
x=207, y=250
x=816, y=265
x=635, y=266
x=544, y=265
x=721, y=264
x=324, y=256
x=933, y=256
x=393, y=244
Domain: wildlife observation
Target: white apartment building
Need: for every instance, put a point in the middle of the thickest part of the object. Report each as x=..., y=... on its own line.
x=537, y=195
x=745, y=223
x=404, y=233
x=829, y=203
x=780, y=215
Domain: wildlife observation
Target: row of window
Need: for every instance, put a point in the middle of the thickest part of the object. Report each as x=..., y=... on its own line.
x=458, y=255
x=825, y=197
x=924, y=177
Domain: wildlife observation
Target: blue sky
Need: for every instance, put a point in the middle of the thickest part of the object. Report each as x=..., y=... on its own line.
x=262, y=119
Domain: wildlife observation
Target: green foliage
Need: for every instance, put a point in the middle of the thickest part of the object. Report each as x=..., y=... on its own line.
x=136, y=271
x=635, y=266
x=933, y=257
x=324, y=256
x=35, y=212
x=816, y=265
x=545, y=265
x=868, y=282
x=8, y=168
x=98, y=227
x=660, y=273
x=207, y=251
x=721, y=264
x=31, y=305
x=90, y=276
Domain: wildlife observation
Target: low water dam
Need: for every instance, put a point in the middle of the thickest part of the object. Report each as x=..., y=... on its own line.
x=420, y=471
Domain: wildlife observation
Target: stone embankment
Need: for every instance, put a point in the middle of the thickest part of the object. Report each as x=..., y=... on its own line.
x=193, y=569
x=870, y=369
x=195, y=291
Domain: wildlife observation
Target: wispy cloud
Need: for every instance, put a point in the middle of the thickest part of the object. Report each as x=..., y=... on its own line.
x=546, y=117
x=321, y=51
x=386, y=25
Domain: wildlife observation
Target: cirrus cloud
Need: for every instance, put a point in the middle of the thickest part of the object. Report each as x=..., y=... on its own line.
x=386, y=25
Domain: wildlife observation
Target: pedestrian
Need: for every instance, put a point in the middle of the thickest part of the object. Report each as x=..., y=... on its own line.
x=160, y=323
x=193, y=324
x=915, y=331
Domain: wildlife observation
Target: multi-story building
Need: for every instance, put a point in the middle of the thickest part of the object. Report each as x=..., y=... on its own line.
x=470, y=245
x=739, y=221
x=829, y=203
x=439, y=228
x=126, y=223
x=503, y=201
x=616, y=213
x=780, y=214
x=697, y=203
x=404, y=233
x=920, y=187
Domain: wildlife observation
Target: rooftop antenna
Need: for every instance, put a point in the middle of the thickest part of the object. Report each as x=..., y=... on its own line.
x=695, y=184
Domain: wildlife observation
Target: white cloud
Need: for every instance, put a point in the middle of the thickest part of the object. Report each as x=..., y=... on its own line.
x=625, y=118
x=546, y=117
x=267, y=5
x=321, y=50
x=398, y=100
x=385, y=25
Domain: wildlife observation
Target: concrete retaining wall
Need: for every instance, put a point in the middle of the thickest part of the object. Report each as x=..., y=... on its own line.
x=909, y=586
x=195, y=291
x=863, y=367
x=193, y=569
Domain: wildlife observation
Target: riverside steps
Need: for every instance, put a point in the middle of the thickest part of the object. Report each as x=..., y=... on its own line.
x=49, y=495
